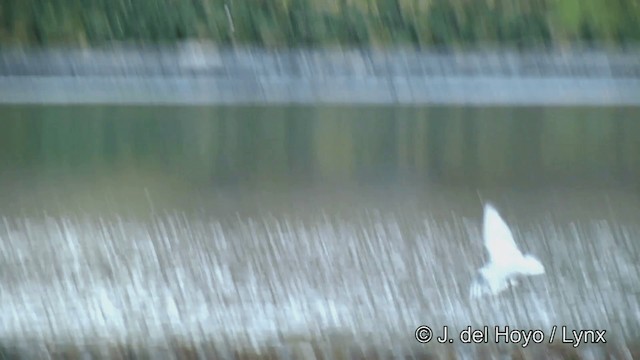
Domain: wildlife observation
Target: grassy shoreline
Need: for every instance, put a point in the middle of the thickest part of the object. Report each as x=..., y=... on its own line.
x=283, y=23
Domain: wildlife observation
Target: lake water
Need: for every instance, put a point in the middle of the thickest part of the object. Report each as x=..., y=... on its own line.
x=263, y=225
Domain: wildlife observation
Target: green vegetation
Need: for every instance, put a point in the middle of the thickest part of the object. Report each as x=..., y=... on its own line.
x=275, y=23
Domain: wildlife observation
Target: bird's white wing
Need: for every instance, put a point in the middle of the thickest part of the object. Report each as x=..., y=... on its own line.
x=498, y=238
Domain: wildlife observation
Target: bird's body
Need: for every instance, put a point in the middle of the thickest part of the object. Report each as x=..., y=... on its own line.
x=506, y=262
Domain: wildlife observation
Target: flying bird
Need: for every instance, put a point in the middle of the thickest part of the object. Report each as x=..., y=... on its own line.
x=506, y=262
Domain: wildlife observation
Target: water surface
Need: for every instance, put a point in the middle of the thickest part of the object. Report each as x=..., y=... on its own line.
x=249, y=225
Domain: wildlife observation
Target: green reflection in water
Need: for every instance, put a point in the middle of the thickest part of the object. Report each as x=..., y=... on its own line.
x=171, y=150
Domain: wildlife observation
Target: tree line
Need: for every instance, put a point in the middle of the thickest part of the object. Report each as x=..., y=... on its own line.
x=275, y=23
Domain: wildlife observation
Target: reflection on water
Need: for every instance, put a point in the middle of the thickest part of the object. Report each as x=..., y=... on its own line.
x=249, y=225
x=226, y=145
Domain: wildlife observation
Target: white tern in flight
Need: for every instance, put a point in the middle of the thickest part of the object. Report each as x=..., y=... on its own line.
x=506, y=262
